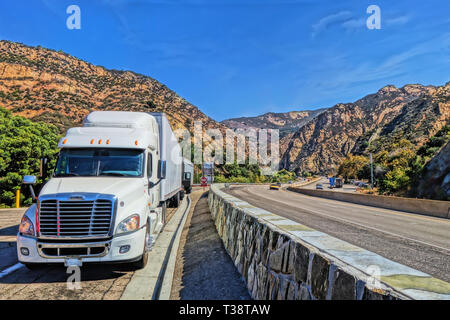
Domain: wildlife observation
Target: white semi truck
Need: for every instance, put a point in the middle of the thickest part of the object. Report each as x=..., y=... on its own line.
x=107, y=199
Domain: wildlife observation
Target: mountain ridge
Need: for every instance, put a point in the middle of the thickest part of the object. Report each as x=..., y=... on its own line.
x=53, y=86
x=286, y=122
x=413, y=111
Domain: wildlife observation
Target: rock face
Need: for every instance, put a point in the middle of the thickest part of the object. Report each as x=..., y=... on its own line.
x=55, y=87
x=287, y=122
x=435, y=183
x=414, y=112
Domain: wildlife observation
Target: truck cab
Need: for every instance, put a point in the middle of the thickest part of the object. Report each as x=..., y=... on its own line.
x=107, y=198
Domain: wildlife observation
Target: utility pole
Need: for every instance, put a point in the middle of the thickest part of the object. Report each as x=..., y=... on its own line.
x=371, y=171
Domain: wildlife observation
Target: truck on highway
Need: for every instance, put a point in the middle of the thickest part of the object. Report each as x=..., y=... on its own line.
x=188, y=175
x=108, y=196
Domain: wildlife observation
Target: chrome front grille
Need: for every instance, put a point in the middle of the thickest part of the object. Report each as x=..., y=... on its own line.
x=75, y=218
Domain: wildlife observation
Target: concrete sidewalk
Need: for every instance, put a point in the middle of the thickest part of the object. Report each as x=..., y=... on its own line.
x=155, y=278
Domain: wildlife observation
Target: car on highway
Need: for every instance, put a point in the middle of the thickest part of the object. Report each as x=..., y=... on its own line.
x=275, y=186
x=319, y=186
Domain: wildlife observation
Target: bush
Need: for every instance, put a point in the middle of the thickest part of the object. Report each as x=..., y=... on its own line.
x=22, y=144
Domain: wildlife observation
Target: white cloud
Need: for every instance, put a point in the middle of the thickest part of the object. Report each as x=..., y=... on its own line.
x=401, y=20
x=332, y=19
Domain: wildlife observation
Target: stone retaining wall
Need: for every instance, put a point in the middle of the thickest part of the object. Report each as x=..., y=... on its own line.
x=433, y=208
x=281, y=259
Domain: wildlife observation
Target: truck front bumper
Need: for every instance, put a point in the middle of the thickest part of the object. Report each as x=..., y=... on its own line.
x=41, y=251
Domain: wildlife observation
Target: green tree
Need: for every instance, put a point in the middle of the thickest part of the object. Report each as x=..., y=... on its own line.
x=22, y=144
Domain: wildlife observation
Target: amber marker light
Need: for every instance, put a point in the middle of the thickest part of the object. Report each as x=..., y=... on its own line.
x=65, y=140
x=100, y=141
x=92, y=141
x=107, y=141
x=136, y=142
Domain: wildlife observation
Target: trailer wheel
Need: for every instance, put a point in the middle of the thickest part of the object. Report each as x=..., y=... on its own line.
x=176, y=200
x=140, y=264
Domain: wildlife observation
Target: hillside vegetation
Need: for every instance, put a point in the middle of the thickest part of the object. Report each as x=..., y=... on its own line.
x=400, y=168
x=55, y=87
x=22, y=144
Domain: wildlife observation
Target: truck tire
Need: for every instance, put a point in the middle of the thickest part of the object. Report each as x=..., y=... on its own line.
x=182, y=195
x=188, y=191
x=141, y=263
x=176, y=200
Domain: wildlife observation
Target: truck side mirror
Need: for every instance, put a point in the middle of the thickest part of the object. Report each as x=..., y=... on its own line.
x=30, y=180
x=161, y=169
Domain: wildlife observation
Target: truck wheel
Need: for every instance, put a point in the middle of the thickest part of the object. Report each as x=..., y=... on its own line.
x=181, y=195
x=188, y=191
x=147, y=245
x=176, y=200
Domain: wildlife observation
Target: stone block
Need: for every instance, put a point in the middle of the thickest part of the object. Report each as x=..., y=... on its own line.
x=303, y=293
x=344, y=286
x=292, y=290
x=301, y=261
x=319, y=277
x=276, y=259
x=289, y=267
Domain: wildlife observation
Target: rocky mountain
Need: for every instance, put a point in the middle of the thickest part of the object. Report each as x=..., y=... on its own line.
x=287, y=122
x=413, y=112
x=435, y=182
x=54, y=87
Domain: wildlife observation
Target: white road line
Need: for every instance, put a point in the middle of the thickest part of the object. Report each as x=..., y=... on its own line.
x=361, y=225
x=11, y=269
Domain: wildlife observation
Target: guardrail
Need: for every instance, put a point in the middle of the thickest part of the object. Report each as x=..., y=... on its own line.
x=281, y=259
x=433, y=208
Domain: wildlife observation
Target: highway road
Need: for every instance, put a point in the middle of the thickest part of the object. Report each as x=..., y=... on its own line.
x=418, y=241
x=326, y=184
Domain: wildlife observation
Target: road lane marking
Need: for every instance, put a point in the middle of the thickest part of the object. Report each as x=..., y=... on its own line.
x=380, y=211
x=376, y=209
x=358, y=224
x=11, y=269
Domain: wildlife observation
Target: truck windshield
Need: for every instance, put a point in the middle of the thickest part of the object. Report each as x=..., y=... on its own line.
x=100, y=162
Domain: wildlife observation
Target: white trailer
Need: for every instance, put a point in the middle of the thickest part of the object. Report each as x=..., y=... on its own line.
x=171, y=159
x=106, y=201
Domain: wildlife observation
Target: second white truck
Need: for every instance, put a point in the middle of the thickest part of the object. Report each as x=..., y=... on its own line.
x=107, y=200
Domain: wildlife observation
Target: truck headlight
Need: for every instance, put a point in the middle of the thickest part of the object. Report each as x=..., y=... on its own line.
x=26, y=226
x=129, y=224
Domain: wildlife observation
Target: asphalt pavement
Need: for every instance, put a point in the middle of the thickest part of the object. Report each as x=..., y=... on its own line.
x=420, y=242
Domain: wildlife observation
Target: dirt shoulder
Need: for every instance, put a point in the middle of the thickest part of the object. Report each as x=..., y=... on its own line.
x=204, y=270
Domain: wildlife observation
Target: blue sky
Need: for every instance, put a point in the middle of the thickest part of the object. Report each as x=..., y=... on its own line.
x=236, y=58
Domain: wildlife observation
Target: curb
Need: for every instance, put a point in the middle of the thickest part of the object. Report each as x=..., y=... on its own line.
x=153, y=282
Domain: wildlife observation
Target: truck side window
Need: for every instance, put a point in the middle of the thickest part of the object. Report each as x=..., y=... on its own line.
x=150, y=165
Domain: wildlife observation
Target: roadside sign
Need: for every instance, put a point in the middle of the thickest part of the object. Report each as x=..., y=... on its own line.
x=204, y=181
